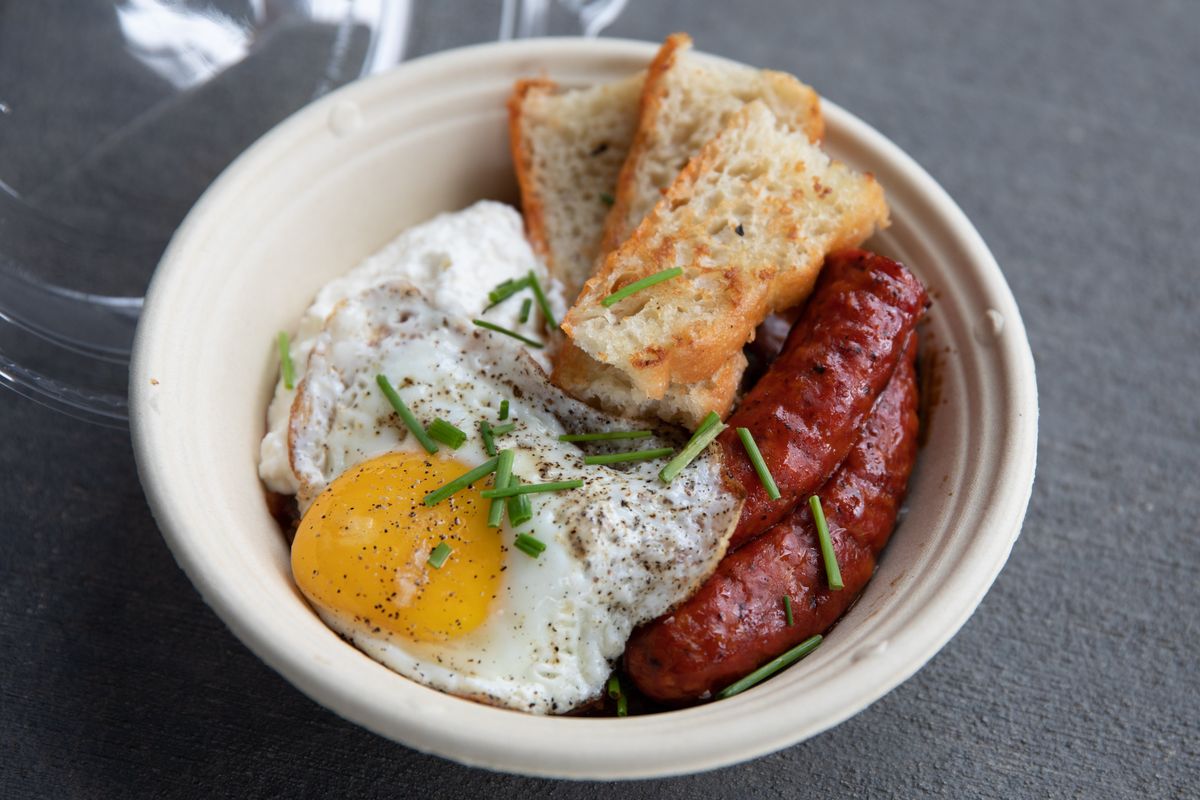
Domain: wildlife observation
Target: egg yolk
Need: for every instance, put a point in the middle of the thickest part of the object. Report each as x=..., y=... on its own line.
x=363, y=546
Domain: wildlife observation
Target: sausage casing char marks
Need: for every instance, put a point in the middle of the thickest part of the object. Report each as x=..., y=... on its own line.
x=736, y=621
x=806, y=411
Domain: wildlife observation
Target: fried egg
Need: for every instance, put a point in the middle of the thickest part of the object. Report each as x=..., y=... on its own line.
x=492, y=622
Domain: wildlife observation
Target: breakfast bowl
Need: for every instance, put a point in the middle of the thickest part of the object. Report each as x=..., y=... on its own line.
x=342, y=177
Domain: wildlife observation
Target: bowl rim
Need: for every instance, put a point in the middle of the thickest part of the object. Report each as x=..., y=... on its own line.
x=445, y=734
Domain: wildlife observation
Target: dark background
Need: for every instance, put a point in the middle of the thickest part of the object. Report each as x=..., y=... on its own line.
x=1067, y=131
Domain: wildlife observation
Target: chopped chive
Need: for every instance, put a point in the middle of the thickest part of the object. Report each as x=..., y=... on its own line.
x=644, y=283
x=446, y=433
x=709, y=420
x=520, y=509
x=461, y=482
x=619, y=696
x=409, y=420
x=498, y=329
x=507, y=427
x=502, y=292
x=771, y=667
x=506, y=289
x=526, y=307
x=636, y=455
x=708, y=430
x=787, y=609
x=529, y=545
x=504, y=463
x=603, y=437
x=286, y=368
x=439, y=555
x=614, y=691
x=832, y=573
x=542, y=302
x=531, y=488
x=760, y=466
x=607, y=199
x=485, y=432
x=503, y=409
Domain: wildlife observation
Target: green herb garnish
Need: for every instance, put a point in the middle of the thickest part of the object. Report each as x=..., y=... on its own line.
x=644, y=283
x=614, y=691
x=500, y=430
x=409, y=420
x=603, y=437
x=503, y=409
x=832, y=573
x=461, y=482
x=439, y=555
x=446, y=433
x=771, y=667
x=542, y=302
x=531, y=488
x=529, y=545
x=498, y=329
x=485, y=432
x=787, y=609
x=760, y=466
x=504, y=463
x=526, y=307
x=286, y=369
x=505, y=290
x=709, y=420
x=520, y=509
x=636, y=455
x=709, y=428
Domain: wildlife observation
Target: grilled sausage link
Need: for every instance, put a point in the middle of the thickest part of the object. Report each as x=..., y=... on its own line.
x=736, y=621
x=806, y=410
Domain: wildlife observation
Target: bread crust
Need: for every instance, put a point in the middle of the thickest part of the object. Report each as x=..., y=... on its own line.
x=648, y=110
x=532, y=205
x=606, y=387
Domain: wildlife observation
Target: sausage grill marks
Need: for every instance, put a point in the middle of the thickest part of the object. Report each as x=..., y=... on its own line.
x=806, y=411
x=736, y=621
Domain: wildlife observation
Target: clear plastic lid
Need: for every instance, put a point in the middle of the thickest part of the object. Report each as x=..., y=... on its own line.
x=121, y=114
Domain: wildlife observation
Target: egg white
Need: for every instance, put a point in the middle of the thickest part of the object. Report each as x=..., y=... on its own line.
x=456, y=258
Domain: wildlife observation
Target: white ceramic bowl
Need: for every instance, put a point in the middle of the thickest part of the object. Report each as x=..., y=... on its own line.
x=342, y=177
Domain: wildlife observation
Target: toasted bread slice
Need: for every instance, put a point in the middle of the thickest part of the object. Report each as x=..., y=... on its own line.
x=750, y=221
x=568, y=148
x=684, y=104
x=608, y=388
